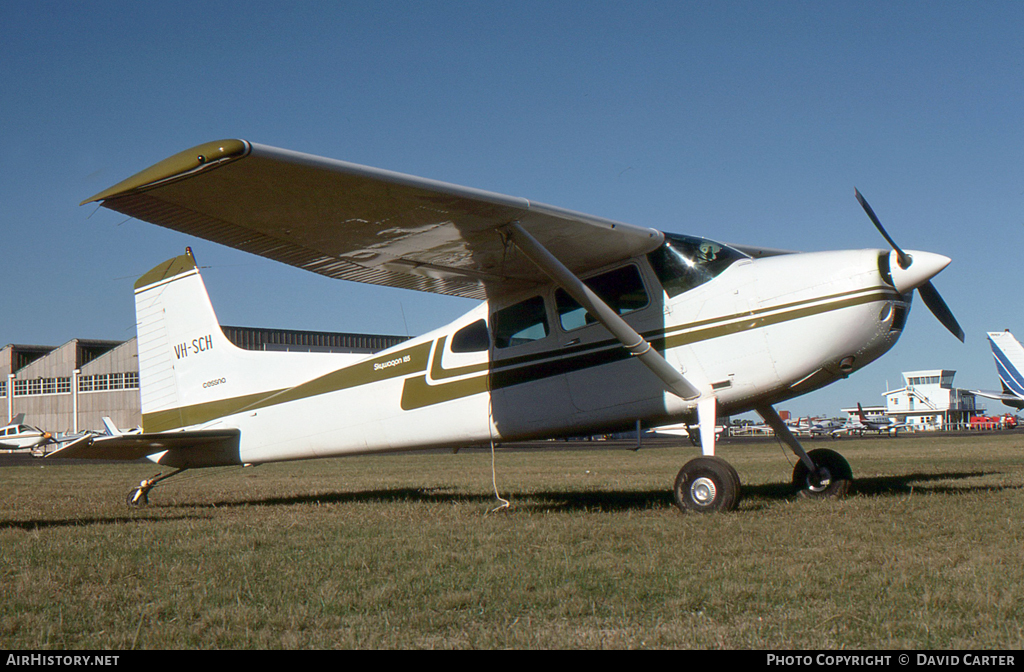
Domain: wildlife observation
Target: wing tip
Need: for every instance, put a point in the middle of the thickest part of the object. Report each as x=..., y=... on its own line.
x=180, y=165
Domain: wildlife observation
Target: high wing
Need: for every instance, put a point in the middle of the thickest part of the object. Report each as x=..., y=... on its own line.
x=364, y=224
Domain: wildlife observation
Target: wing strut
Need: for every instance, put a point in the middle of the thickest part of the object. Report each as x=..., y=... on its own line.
x=634, y=342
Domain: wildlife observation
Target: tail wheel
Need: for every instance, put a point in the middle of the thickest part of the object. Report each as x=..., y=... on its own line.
x=707, y=484
x=832, y=481
x=138, y=497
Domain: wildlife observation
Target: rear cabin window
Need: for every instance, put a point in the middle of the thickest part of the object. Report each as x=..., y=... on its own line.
x=622, y=289
x=685, y=262
x=524, y=322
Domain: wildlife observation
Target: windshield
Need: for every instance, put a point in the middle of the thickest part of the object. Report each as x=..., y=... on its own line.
x=684, y=262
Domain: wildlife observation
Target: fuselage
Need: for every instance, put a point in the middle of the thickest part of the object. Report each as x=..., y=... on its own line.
x=22, y=437
x=748, y=331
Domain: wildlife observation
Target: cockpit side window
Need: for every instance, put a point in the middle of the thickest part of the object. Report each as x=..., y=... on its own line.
x=685, y=262
x=521, y=323
x=622, y=289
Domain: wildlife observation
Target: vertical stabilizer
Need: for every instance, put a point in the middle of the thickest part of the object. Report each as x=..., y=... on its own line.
x=1009, y=356
x=181, y=344
x=190, y=373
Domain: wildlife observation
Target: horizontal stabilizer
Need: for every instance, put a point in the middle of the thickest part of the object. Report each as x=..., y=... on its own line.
x=1008, y=398
x=204, y=447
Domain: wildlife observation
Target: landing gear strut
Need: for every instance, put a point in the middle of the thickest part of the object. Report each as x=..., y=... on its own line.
x=139, y=496
x=706, y=483
x=821, y=473
x=709, y=483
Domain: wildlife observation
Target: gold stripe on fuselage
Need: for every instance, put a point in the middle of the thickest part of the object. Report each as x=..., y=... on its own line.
x=392, y=365
x=418, y=392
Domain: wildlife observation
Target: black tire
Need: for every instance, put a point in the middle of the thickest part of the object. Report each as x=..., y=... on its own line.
x=836, y=476
x=137, y=497
x=736, y=482
x=706, y=484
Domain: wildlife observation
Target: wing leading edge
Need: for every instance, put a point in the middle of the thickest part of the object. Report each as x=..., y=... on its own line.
x=364, y=224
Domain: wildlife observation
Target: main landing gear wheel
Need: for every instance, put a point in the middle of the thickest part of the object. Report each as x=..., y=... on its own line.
x=707, y=484
x=833, y=480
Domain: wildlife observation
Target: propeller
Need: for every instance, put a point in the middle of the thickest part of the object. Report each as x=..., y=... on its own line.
x=927, y=290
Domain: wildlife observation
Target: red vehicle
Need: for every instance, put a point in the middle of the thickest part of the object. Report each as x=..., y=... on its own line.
x=996, y=422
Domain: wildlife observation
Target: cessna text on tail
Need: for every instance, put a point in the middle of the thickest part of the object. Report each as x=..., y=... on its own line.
x=586, y=325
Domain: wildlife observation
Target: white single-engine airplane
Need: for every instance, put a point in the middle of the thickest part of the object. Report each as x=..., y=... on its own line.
x=587, y=325
x=18, y=436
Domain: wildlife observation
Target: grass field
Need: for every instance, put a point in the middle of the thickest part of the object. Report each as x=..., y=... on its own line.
x=404, y=551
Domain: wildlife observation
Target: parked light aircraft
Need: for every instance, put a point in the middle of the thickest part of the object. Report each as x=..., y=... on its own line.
x=828, y=427
x=18, y=436
x=862, y=423
x=1009, y=356
x=587, y=325
x=813, y=427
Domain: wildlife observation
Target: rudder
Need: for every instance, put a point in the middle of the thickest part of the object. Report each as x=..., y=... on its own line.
x=190, y=373
x=180, y=343
x=1009, y=356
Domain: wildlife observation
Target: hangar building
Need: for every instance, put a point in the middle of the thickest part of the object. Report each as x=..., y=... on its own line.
x=70, y=388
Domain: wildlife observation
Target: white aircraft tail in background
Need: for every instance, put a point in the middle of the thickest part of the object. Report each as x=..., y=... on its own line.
x=113, y=430
x=1009, y=356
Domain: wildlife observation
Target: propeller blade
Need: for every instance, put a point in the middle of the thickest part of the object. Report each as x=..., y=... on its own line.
x=939, y=309
x=901, y=256
x=929, y=294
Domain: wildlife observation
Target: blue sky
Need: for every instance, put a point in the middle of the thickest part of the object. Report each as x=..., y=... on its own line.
x=747, y=122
